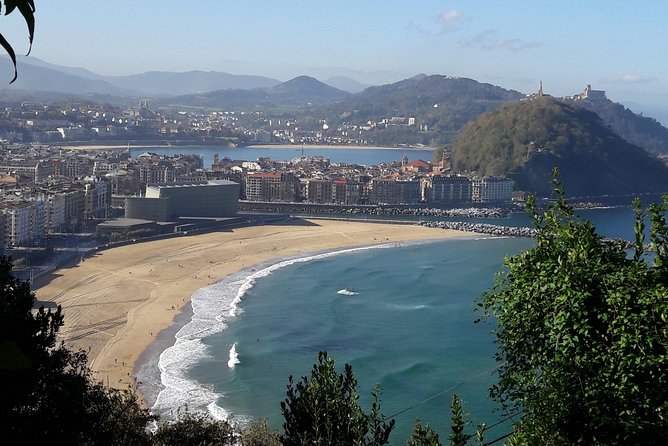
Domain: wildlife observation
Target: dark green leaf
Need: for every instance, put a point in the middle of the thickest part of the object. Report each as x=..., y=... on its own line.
x=10, y=52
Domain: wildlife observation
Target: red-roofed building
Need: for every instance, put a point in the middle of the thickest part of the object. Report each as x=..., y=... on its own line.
x=417, y=166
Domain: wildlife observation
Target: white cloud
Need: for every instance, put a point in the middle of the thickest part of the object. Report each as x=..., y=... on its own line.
x=489, y=41
x=450, y=18
x=629, y=79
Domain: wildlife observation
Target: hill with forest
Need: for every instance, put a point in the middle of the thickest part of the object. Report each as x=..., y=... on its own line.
x=527, y=140
x=441, y=106
x=642, y=131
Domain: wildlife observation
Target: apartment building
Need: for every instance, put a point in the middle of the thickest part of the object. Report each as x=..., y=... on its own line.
x=489, y=189
x=24, y=222
x=443, y=189
x=272, y=186
x=394, y=191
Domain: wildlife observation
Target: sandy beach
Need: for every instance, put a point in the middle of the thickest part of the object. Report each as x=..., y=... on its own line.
x=116, y=302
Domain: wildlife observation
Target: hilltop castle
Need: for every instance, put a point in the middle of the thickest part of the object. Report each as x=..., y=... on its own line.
x=591, y=95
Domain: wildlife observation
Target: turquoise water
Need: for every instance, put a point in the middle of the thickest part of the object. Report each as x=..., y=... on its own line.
x=402, y=316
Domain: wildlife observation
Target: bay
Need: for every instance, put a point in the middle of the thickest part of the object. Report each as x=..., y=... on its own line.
x=402, y=316
x=283, y=153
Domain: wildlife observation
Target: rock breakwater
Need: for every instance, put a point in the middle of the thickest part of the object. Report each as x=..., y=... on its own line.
x=482, y=228
x=509, y=231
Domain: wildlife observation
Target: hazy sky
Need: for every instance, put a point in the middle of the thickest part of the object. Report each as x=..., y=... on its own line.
x=618, y=46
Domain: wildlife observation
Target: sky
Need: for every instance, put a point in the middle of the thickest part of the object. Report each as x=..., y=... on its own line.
x=617, y=46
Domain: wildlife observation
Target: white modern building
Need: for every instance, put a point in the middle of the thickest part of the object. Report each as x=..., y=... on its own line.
x=488, y=189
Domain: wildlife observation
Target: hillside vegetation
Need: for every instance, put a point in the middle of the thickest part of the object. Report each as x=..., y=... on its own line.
x=527, y=140
x=640, y=130
x=443, y=104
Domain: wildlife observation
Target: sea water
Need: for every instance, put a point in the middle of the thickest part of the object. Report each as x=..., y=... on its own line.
x=402, y=315
x=285, y=153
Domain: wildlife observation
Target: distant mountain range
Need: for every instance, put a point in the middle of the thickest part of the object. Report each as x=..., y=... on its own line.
x=300, y=92
x=43, y=78
x=161, y=83
x=38, y=75
x=440, y=105
x=346, y=84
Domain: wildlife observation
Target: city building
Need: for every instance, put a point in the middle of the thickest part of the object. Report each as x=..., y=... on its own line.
x=346, y=191
x=339, y=191
x=97, y=198
x=272, y=186
x=393, y=191
x=447, y=189
x=488, y=189
x=24, y=222
x=171, y=201
x=319, y=191
x=35, y=170
x=591, y=95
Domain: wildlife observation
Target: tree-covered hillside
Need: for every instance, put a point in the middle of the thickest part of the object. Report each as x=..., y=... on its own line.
x=640, y=130
x=528, y=139
x=441, y=104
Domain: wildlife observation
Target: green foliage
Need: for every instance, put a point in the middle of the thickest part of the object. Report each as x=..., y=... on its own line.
x=324, y=410
x=259, y=434
x=52, y=395
x=582, y=334
x=458, y=419
x=459, y=100
x=526, y=140
x=642, y=131
x=27, y=9
x=194, y=429
x=438, y=154
x=423, y=435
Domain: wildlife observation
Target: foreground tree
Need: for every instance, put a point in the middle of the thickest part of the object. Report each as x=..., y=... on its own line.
x=191, y=428
x=50, y=393
x=258, y=434
x=582, y=333
x=458, y=423
x=423, y=435
x=27, y=9
x=324, y=410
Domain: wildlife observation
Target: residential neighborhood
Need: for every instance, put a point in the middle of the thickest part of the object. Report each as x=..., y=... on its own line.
x=52, y=182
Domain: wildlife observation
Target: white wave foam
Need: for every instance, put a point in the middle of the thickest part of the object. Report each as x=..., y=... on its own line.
x=214, y=307
x=234, y=357
x=408, y=307
x=347, y=292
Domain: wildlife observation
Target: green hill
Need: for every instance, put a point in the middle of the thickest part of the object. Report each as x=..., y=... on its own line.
x=526, y=140
x=442, y=105
x=640, y=130
x=300, y=92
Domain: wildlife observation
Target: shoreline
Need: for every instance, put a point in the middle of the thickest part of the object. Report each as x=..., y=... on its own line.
x=332, y=147
x=252, y=146
x=217, y=304
x=119, y=302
